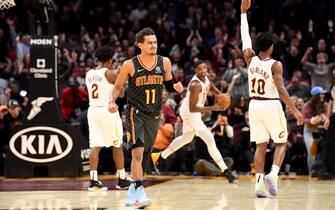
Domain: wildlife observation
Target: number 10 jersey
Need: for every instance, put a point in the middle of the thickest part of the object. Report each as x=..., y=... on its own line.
x=261, y=83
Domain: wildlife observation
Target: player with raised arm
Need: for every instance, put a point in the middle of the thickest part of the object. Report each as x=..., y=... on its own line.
x=267, y=119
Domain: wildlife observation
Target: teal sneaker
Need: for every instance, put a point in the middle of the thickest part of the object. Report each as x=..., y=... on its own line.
x=272, y=181
x=260, y=191
x=142, y=199
x=132, y=196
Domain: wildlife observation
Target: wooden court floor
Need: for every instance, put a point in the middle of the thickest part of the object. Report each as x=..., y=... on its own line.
x=186, y=193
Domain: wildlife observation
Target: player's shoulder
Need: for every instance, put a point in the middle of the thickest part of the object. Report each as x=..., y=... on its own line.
x=89, y=72
x=165, y=59
x=276, y=64
x=128, y=63
x=195, y=83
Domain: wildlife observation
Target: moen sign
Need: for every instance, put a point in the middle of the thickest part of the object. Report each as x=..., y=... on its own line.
x=45, y=144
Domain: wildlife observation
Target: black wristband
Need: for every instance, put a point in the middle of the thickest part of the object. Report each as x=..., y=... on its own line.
x=169, y=86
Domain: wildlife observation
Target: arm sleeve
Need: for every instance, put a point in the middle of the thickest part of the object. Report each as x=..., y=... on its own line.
x=229, y=131
x=246, y=40
x=169, y=86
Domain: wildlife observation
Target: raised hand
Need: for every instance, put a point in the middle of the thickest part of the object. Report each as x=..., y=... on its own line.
x=245, y=5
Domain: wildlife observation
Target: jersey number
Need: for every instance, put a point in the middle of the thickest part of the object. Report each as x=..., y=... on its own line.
x=95, y=91
x=260, y=86
x=152, y=96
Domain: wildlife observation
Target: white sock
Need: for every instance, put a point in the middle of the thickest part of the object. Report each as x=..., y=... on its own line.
x=260, y=178
x=94, y=175
x=121, y=174
x=275, y=170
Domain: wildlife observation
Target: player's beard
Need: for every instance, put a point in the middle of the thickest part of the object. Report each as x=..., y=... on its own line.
x=153, y=52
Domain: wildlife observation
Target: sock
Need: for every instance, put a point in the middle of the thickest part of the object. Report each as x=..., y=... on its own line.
x=121, y=174
x=260, y=178
x=138, y=183
x=275, y=170
x=94, y=175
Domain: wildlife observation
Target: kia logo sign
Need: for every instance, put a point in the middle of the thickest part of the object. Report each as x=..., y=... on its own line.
x=41, y=144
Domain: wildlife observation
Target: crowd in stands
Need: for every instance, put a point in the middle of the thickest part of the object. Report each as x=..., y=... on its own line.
x=187, y=31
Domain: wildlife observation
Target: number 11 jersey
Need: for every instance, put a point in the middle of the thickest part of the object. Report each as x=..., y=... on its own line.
x=146, y=85
x=261, y=83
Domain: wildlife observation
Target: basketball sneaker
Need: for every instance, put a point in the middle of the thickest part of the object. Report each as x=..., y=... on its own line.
x=123, y=184
x=260, y=191
x=96, y=186
x=271, y=181
x=143, y=200
x=131, y=199
x=231, y=178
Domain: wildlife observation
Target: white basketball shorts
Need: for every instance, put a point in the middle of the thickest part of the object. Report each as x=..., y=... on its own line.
x=267, y=120
x=192, y=122
x=105, y=128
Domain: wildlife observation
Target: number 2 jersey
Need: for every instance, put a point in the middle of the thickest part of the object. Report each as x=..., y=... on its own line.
x=99, y=89
x=146, y=85
x=261, y=83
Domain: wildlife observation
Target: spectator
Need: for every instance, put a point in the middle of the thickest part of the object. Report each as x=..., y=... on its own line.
x=73, y=101
x=12, y=118
x=314, y=112
x=241, y=84
x=167, y=110
x=321, y=72
x=297, y=88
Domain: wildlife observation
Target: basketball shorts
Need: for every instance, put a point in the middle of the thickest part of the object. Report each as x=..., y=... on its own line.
x=142, y=128
x=105, y=128
x=267, y=120
x=192, y=123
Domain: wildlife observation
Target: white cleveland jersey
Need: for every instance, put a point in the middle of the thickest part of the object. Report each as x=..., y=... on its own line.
x=260, y=79
x=99, y=89
x=205, y=86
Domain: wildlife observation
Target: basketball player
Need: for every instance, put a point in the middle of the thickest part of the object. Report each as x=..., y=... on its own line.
x=105, y=128
x=190, y=112
x=146, y=74
x=267, y=119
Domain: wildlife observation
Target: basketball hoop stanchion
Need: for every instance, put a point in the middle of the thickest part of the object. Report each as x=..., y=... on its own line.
x=6, y=4
x=44, y=145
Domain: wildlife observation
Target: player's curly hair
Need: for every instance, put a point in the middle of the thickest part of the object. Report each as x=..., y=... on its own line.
x=198, y=62
x=264, y=41
x=104, y=53
x=139, y=38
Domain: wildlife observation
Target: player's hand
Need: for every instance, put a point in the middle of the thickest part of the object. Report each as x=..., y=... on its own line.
x=216, y=107
x=326, y=124
x=178, y=87
x=245, y=5
x=300, y=118
x=113, y=107
x=310, y=49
